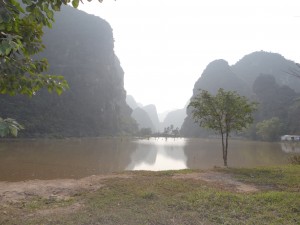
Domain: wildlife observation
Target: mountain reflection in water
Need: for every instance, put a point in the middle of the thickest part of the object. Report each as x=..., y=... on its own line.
x=159, y=154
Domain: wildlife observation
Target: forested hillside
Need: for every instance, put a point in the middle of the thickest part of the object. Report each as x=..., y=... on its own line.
x=262, y=77
x=81, y=48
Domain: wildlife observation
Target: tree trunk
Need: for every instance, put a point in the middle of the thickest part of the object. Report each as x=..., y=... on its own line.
x=224, y=149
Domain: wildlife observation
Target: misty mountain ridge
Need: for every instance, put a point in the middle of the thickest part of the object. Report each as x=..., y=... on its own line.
x=152, y=112
x=131, y=102
x=172, y=117
x=143, y=119
x=175, y=118
x=252, y=65
x=241, y=77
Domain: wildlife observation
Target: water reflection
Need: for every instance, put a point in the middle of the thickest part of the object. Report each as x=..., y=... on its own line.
x=73, y=158
x=290, y=147
x=158, y=154
x=76, y=158
x=207, y=153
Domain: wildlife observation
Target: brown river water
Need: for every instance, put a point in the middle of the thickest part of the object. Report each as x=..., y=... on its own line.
x=76, y=158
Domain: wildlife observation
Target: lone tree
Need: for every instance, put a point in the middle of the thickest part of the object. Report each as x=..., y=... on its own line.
x=225, y=112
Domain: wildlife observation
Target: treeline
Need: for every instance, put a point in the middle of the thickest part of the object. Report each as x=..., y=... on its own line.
x=278, y=112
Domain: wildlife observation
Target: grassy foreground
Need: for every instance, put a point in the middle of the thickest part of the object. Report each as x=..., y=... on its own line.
x=171, y=197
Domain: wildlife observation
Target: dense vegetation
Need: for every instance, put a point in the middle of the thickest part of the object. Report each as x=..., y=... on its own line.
x=262, y=77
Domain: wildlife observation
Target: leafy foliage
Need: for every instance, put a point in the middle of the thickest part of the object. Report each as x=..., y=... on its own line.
x=9, y=126
x=21, y=39
x=293, y=117
x=171, y=131
x=269, y=130
x=225, y=112
x=21, y=31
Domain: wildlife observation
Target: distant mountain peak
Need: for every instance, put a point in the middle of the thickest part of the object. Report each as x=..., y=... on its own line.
x=215, y=67
x=240, y=77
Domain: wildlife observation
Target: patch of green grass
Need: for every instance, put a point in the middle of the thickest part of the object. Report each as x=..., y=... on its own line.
x=147, y=195
x=221, y=207
x=283, y=177
x=38, y=203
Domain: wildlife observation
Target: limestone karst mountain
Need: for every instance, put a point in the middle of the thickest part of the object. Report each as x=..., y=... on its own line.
x=132, y=103
x=252, y=65
x=142, y=118
x=145, y=116
x=152, y=112
x=175, y=118
x=81, y=48
x=241, y=76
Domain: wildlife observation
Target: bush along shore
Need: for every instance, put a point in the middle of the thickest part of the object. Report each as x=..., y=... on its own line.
x=220, y=196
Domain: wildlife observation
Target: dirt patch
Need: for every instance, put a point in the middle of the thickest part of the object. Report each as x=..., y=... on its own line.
x=62, y=189
x=58, y=189
x=221, y=180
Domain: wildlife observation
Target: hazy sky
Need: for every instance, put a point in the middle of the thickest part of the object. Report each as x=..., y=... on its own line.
x=164, y=45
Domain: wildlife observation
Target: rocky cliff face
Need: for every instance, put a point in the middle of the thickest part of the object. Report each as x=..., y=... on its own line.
x=240, y=77
x=143, y=119
x=81, y=48
x=131, y=102
x=152, y=112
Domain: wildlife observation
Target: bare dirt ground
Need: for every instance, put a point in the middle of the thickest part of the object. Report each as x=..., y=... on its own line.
x=53, y=190
x=57, y=189
x=65, y=188
x=16, y=193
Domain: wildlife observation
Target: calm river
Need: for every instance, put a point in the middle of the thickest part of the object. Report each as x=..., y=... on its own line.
x=76, y=158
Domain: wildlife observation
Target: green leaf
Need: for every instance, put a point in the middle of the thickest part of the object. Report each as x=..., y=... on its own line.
x=75, y=3
x=59, y=90
x=27, y=2
x=13, y=131
x=30, y=8
x=49, y=14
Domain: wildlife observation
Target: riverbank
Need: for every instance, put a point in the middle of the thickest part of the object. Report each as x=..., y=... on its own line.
x=219, y=196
